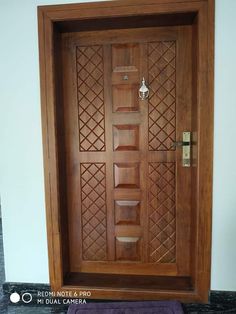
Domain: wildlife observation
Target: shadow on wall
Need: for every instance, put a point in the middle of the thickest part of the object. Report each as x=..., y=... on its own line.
x=2, y=268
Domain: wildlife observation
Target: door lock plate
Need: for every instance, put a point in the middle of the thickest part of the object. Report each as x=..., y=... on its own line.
x=186, y=149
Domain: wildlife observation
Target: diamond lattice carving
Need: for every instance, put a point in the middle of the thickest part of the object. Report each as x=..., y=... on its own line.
x=162, y=98
x=93, y=203
x=162, y=218
x=91, y=98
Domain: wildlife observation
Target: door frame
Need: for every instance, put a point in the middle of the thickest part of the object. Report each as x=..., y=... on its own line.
x=55, y=19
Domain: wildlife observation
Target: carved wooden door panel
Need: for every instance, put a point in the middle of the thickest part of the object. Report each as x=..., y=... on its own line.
x=128, y=196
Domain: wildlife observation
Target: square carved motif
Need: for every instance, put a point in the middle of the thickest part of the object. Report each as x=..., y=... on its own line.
x=125, y=57
x=125, y=97
x=128, y=249
x=126, y=175
x=127, y=212
x=126, y=137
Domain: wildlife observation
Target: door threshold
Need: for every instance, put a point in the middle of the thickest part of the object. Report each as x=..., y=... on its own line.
x=128, y=281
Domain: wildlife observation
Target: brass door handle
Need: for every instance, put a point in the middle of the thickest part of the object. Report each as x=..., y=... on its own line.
x=180, y=144
x=186, y=148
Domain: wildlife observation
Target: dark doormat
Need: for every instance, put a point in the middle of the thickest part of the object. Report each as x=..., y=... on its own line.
x=147, y=307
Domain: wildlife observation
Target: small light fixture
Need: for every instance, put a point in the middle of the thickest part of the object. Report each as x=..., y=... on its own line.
x=143, y=91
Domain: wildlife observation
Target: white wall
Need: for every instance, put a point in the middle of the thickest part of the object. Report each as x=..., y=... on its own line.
x=224, y=191
x=21, y=162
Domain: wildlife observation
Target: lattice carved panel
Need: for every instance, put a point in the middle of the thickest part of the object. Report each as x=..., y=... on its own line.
x=91, y=98
x=162, y=216
x=93, y=211
x=162, y=98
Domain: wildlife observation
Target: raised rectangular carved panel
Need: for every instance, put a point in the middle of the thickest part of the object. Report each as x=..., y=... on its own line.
x=128, y=249
x=125, y=77
x=91, y=98
x=93, y=211
x=126, y=137
x=162, y=215
x=126, y=175
x=125, y=57
x=127, y=212
x=125, y=97
x=162, y=98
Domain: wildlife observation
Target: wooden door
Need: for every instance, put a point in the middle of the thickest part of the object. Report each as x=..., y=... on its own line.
x=128, y=195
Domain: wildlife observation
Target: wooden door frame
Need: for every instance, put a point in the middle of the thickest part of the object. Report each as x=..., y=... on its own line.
x=49, y=17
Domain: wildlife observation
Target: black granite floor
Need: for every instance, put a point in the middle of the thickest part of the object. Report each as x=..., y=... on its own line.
x=221, y=303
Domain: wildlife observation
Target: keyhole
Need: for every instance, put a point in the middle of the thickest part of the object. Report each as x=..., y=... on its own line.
x=125, y=77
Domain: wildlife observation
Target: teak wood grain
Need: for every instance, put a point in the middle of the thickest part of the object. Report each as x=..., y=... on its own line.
x=120, y=153
x=121, y=135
